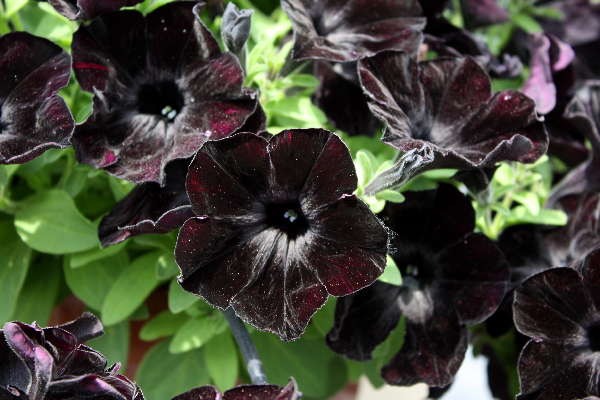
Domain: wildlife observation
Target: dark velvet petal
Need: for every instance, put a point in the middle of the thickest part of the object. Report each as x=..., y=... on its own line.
x=82, y=387
x=264, y=392
x=227, y=176
x=98, y=61
x=432, y=352
x=162, y=102
x=343, y=102
x=32, y=118
x=213, y=264
x=349, y=246
x=200, y=393
x=89, y=9
x=552, y=305
x=38, y=360
x=84, y=328
x=548, y=371
x=475, y=278
x=85, y=361
x=342, y=31
x=288, y=292
x=148, y=208
x=478, y=13
x=446, y=103
x=434, y=218
x=363, y=320
x=331, y=177
x=540, y=85
x=303, y=148
x=13, y=371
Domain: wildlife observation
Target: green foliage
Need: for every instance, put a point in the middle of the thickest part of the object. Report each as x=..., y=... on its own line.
x=164, y=324
x=14, y=263
x=196, y=332
x=163, y=375
x=222, y=362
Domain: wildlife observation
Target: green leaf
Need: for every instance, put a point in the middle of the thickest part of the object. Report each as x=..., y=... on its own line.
x=364, y=163
x=130, y=289
x=114, y=344
x=85, y=257
x=76, y=181
x=92, y=282
x=390, y=195
x=504, y=175
x=526, y=23
x=391, y=274
x=318, y=371
x=12, y=6
x=163, y=375
x=179, y=299
x=164, y=324
x=221, y=357
x=3, y=176
x=303, y=80
x=323, y=319
x=14, y=263
x=166, y=267
x=50, y=223
x=520, y=215
x=119, y=187
x=39, y=293
x=529, y=200
x=164, y=242
x=196, y=332
x=295, y=111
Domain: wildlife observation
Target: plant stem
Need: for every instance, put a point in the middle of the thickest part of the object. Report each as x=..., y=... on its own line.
x=244, y=341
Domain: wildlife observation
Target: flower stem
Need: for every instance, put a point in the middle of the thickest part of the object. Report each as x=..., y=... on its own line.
x=244, y=341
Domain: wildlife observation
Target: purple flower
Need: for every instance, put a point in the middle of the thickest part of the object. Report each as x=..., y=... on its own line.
x=88, y=9
x=447, y=105
x=162, y=87
x=451, y=277
x=549, y=57
x=33, y=118
x=277, y=228
x=244, y=392
x=558, y=309
x=349, y=30
x=52, y=363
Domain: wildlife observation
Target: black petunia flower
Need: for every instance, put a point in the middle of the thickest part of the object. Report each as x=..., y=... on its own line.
x=349, y=30
x=88, y=9
x=447, y=105
x=278, y=228
x=161, y=88
x=33, y=118
x=244, y=392
x=451, y=278
x=51, y=363
x=583, y=113
x=150, y=208
x=559, y=310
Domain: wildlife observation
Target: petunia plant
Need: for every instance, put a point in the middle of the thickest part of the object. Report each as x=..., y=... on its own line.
x=282, y=199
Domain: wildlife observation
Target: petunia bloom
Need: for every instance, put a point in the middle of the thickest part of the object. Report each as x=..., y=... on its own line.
x=447, y=105
x=52, y=363
x=558, y=309
x=162, y=87
x=451, y=277
x=244, y=392
x=349, y=30
x=277, y=228
x=33, y=118
x=88, y=9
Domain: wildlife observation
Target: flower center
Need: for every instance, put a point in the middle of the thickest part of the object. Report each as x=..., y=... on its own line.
x=593, y=336
x=288, y=218
x=416, y=270
x=164, y=99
